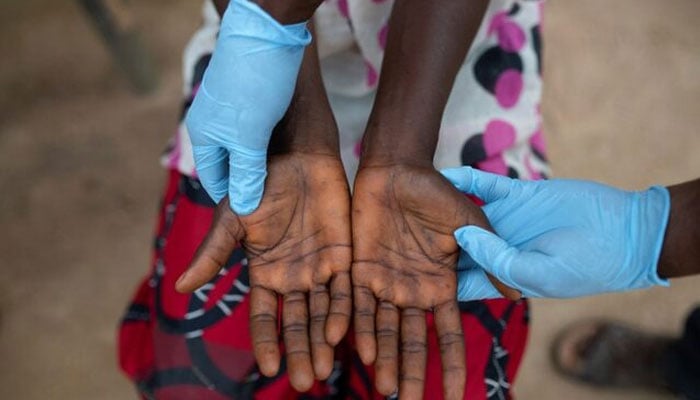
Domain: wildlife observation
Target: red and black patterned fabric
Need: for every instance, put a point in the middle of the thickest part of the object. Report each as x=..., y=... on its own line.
x=197, y=346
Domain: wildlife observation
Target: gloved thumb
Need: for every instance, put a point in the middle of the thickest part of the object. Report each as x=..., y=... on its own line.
x=247, y=173
x=473, y=284
x=488, y=250
x=488, y=187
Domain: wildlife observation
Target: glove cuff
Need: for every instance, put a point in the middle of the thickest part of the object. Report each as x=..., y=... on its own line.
x=654, y=212
x=243, y=17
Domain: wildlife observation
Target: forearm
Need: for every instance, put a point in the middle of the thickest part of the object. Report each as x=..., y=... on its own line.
x=680, y=255
x=220, y=6
x=309, y=125
x=284, y=11
x=427, y=43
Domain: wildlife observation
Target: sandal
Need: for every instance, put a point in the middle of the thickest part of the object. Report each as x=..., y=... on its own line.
x=605, y=353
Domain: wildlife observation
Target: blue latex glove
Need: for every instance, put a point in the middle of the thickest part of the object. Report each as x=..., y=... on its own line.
x=559, y=238
x=245, y=92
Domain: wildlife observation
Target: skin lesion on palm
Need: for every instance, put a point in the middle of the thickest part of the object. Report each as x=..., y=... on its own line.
x=404, y=260
x=292, y=231
x=404, y=266
x=298, y=244
x=404, y=257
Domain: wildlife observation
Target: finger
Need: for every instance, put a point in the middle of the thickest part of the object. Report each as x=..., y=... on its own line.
x=295, y=323
x=448, y=325
x=223, y=237
x=488, y=250
x=321, y=351
x=387, y=365
x=466, y=261
x=473, y=284
x=488, y=187
x=527, y=271
x=247, y=173
x=506, y=291
x=263, y=330
x=414, y=353
x=340, y=309
x=212, y=170
x=365, y=311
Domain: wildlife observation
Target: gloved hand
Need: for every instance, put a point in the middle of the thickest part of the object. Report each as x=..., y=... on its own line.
x=560, y=238
x=245, y=91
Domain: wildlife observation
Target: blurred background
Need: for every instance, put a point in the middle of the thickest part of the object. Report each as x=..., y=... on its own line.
x=81, y=182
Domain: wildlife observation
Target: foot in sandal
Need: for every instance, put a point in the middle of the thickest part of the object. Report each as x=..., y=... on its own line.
x=606, y=353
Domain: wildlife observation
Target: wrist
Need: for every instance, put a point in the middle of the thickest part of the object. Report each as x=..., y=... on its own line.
x=289, y=11
x=382, y=147
x=316, y=138
x=654, y=210
x=307, y=127
x=680, y=254
x=245, y=19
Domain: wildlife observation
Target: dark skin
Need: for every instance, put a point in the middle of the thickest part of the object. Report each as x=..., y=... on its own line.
x=298, y=248
x=298, y=242
x=404, y=211
x=284, y=11
x=404, y=254
x=680, y=255
x=404, y=258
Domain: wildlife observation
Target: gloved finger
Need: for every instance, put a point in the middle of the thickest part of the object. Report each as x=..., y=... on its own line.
x=263, y=329
x=387, y=365
x=414, y=353
x=365, y=311
x=212, y=170
x=488, y=250
x=295, y=322
x=466, y=263
x=247, y=173
x=448, y=325
x=473, y=284
x=321, y=350
x=223, y=237
x=340, y=309
x=488, y=187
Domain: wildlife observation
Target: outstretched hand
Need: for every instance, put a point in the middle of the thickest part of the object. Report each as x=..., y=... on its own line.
x=298, y=244
x=404, y=260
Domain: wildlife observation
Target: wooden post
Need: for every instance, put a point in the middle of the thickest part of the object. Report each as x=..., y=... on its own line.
x=117, y=27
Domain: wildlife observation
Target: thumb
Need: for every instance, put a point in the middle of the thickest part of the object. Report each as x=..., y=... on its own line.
x=212, y=170
x=247, y=173
x=488, y=187
x=473, y=284
x=491, y=252
x=213, y=253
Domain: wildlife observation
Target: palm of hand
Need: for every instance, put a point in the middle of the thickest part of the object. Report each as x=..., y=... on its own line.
x=404, y=258
x=404, y=248
x=300, y=236
x=298, y=244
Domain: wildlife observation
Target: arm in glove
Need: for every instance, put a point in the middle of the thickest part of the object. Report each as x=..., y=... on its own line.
x=245, y=92
x=560, y=238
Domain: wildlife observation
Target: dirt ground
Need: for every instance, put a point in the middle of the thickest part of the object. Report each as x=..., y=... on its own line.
x=80, y=178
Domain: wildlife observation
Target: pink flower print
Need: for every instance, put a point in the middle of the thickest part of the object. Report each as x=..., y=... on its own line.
x=372, y=76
